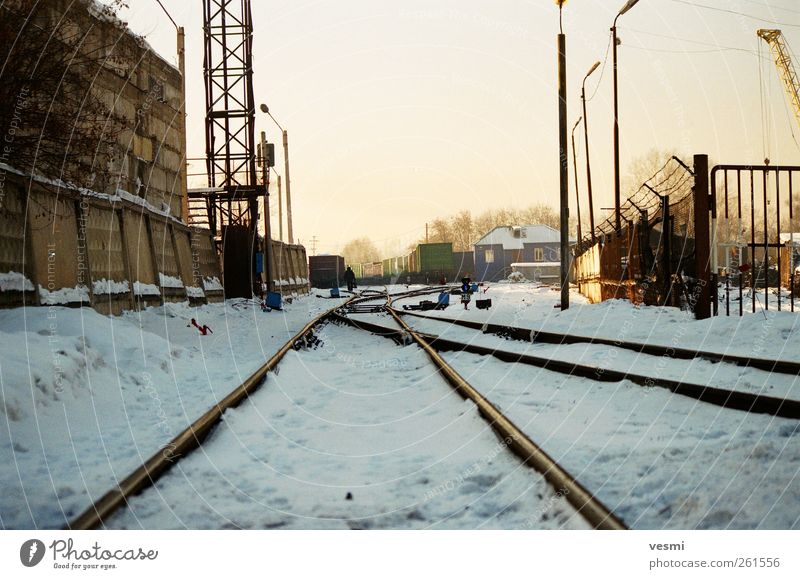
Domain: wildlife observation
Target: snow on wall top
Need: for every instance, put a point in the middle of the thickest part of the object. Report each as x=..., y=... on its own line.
x=13, y=281
x=105, y=13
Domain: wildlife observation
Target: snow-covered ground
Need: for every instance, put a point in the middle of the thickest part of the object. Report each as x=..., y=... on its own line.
x=86, y=398
x=406, y=449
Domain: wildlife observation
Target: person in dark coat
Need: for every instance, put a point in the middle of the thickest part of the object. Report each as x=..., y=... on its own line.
x=350, y=278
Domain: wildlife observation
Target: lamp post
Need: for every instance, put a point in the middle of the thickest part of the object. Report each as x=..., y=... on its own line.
x=265, y=109
x=265, y=160
x=563, y=159
x=575, y=170
x=586, y=138
x=628, y=5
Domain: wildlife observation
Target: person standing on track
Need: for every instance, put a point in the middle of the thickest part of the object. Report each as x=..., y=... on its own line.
x=350, y=278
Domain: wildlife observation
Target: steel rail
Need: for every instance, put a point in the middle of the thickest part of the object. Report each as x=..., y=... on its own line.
x=188, y=440
x=731, y=399
x=193, y=435
x=589, y=507
x=533, y=336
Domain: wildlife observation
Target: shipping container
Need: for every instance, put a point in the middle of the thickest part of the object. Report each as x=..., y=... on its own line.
x=435, y=258
x=357, y=269
x=326, y=271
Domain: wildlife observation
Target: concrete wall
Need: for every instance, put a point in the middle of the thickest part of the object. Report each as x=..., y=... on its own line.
x=290, y=268
x=78, y=250
x=143, y=93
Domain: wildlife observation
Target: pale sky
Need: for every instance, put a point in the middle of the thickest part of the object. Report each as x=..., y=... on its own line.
x=400, y=112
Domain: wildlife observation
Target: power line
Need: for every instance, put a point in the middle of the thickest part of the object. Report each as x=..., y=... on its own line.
x=718, y=47
x=602, y=69
x=771, y=7
x=728, y=11
x=175, y=24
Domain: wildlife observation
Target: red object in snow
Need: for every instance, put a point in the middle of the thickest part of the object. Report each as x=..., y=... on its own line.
x=203, y=329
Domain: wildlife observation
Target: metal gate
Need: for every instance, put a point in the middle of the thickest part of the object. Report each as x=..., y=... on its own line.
x=756, y=238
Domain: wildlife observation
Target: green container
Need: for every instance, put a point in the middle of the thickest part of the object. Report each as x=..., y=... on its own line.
x=434, y=257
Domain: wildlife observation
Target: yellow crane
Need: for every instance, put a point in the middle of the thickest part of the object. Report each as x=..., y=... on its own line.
x=780, y=53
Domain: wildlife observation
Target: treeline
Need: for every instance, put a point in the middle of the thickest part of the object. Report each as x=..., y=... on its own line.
x=463, y=229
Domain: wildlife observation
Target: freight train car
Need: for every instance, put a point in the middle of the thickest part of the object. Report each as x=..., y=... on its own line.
x=326, y=271
x=357, y=269
x=372, y=270
x=434, y=261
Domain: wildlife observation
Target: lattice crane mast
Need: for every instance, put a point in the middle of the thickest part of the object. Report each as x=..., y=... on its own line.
x=780, y=53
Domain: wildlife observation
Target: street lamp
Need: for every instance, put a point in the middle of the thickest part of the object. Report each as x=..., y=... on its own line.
x=575, y=170
x=563, y=158
x=265, y=109
x=586, y=138
x=628, y=5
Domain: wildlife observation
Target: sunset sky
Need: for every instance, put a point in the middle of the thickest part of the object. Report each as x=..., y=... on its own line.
x=399, y=113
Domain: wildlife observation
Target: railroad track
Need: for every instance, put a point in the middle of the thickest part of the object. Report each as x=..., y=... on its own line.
x=190, y=438
x=538, y=336
x=551, y=408
x=727, y=398
x=585, y=504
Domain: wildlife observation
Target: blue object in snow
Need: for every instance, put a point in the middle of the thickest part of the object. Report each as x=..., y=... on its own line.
x=474, y=288
x=335, y=292
x=274, y=300
x=444, y=299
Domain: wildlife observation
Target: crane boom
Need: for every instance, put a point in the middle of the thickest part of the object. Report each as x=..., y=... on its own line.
x=783, y=61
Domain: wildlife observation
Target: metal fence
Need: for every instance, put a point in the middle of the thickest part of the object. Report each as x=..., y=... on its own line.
x=654, y=257
x=756, y=250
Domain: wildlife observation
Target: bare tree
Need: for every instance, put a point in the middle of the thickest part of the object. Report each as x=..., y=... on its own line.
x=360, y=250
x=54, y=122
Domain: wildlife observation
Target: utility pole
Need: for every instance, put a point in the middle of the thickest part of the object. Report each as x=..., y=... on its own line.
x=314, y=245
x=280, y=211
x=426, y=233
x=563, y=157
x=288, y=185
x=265, y=158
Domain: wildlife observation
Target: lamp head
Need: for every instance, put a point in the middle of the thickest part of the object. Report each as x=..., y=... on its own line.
x=264, y=108
x=628, y=5
x=594, y=67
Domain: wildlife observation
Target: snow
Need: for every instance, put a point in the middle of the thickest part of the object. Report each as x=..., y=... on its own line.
x=87, y=398
x=169, y=281
x=104, y=286
x=212, y=284
x=120, y=194
x=504, y=235
x=195, y=292
x=410, y=451
x=537, y=264
x=13, y=281
x=145, y=289
x=65, y=295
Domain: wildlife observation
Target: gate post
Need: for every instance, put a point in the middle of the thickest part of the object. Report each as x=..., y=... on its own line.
x=702, y=239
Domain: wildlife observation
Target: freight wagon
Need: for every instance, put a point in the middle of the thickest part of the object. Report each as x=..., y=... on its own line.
x=326, y=271
x=357, y=269
x=372, y=270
